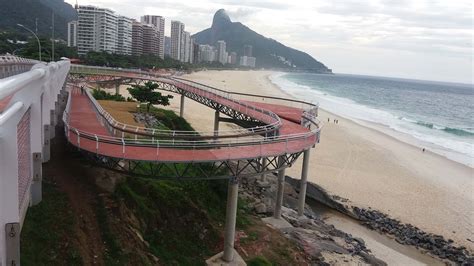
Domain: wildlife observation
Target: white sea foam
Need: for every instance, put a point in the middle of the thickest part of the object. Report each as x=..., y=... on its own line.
x=455, y=148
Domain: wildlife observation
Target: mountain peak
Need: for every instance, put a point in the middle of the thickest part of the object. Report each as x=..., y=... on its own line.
x=269, y=53
x=221, y=18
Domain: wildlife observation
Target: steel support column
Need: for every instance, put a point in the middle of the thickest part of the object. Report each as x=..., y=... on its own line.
x=303, y=182
x=281, y=188
x=231, y=215
x=216, y=123
x=181, y=106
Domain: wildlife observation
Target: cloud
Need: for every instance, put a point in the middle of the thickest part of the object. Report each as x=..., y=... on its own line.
x=275, y=4
x=242, y=13
x=441, y=30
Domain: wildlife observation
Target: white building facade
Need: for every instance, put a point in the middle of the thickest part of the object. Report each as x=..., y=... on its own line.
x=177, y=34
x=222, y=53
x=124, y=32
x=207, y=53
x=97, y=30
x=72, y=34
x=159, y=23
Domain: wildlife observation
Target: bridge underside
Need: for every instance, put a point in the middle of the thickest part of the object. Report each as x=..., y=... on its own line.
x=229, y=169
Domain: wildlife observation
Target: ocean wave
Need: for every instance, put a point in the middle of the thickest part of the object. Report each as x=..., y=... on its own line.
x=446, y=138
x=452, y=130
x=458, y=131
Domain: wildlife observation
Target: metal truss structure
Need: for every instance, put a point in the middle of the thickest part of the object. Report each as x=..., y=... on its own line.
x=233, y=169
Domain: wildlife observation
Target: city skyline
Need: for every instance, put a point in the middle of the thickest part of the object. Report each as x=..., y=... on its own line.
x=421, y=40
x=102, y=29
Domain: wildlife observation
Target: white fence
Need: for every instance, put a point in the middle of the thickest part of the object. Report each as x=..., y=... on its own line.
x=29, y=106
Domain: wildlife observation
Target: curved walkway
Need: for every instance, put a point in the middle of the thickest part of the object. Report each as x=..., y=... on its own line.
x=87, y=130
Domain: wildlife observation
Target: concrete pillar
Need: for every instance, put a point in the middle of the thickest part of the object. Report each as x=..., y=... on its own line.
x=230, y=218
x=216, y=123
x=36, y=186
x=117, y=88
x=52, y=124
x=46, y=144
x=303, y=182
x=281, y=188
x=181, y=106
x=264, y=168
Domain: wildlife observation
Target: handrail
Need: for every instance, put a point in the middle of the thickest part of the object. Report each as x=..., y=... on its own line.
x=270, y=127
x=10, y=112
x=309, y=111
x=250, y=94
x=189, y=143
x=144, y=131
x=10, y=85
x=181, y=141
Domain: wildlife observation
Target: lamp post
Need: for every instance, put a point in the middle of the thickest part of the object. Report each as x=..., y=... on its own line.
x=37, y=39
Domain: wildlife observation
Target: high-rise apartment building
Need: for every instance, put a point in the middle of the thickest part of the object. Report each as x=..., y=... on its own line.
x=72, y=33
x=187, y=47
x=222, y=54
x=97, y=30
x=196, y=53
x=177, y=34
x=233, y=58
x=248, y=50
x=207, y=53
x=159, y=23
x=124, y=33
x=247, y=61
x=191, y=50
x=137, y=38
x=151, y=40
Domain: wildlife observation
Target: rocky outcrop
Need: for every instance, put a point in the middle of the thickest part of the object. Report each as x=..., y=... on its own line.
x=408, y=234
x=405, y=234
x=321, y=242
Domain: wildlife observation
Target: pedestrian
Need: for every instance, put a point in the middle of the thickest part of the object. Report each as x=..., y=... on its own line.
x=423, y=149
x=82, y=89
x=328, y=119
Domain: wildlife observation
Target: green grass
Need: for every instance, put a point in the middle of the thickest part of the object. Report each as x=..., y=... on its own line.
x=168, y=118
x=113, y=254
x=180, y=217
x=259, y=261
x=46, y=230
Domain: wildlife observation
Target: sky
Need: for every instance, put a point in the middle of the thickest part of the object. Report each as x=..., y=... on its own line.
x=416, y=39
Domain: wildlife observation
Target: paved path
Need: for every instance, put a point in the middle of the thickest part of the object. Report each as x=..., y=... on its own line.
x=83, y=117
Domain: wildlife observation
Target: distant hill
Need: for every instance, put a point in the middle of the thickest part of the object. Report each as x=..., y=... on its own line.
x=25, y=12
x=269, y=53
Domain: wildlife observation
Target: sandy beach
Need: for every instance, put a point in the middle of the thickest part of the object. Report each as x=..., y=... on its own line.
x=369, y=168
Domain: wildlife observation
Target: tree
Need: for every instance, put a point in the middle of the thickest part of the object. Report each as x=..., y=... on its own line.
x=145, y=93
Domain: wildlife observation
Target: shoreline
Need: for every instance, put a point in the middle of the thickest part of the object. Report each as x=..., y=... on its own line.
x=403, y=137
x=371, y=168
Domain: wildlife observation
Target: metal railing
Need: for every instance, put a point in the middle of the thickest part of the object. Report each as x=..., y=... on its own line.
x=159, y=139
x=29, y=102
x=182, y=134
x=11, y=65
x=237, y=97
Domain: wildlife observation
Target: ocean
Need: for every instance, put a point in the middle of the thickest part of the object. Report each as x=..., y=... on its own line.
x=437, y=116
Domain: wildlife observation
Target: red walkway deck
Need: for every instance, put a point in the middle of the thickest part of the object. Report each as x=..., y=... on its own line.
x=83, y=117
